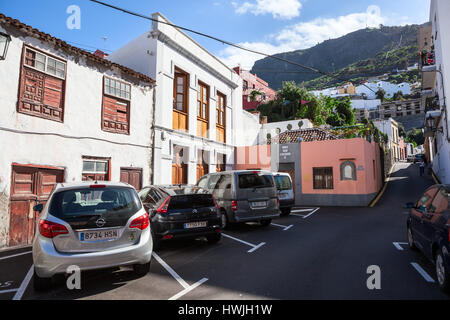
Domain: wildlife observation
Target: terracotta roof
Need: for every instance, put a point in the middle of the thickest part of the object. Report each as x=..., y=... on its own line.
x=64, y=45
x=306, y=135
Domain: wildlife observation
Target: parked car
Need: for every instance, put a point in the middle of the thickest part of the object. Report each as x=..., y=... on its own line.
x=243, y=196
x=428, y=230
x=418, y=158
x=285, y=190
x=93, y=226
x=179, y=211
x=411, y=158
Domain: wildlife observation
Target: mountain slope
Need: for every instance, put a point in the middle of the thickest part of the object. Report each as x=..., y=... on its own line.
x=333, y=55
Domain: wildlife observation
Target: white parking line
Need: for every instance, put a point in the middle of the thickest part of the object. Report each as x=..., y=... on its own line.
x=188, y=289
x=398, y=245
x=15, y=255
x=254, y=247
x=311, y=213
x=422, y=272
x=24, y=284
x=310, y=210
x=302, y=210
x=9, y=290
x=184, y=284
x=170, y=270
x=282, y=226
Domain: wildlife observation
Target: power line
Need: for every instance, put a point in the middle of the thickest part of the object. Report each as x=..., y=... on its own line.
x=220, y=40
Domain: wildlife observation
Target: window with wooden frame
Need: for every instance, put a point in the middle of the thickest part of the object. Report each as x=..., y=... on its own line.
x=323, y=178
x=116, y=106
x=42, y=85
x=202, y=163
x=202, y=110
x=221, y=117
x=221, y=162
x=96, y=169
x=180, y=100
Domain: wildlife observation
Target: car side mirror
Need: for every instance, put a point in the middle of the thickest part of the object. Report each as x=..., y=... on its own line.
x=39, y=207
x=421, y=208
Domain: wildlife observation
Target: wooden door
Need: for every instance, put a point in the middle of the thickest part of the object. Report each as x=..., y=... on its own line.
x=179, y=167
x=132, y=176
x=29, y=186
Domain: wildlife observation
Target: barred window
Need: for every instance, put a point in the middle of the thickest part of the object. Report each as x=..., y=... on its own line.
x=323, y=178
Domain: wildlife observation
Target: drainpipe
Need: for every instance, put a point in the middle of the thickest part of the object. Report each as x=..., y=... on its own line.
x=153, y=138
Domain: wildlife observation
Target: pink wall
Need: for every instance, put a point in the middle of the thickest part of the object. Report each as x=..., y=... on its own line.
x=253, y=157
x=333, y=153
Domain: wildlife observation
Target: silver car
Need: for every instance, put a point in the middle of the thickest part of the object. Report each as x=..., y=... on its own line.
x=91, y=225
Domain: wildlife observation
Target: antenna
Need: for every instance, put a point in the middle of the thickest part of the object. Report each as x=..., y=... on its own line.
x=104, y=40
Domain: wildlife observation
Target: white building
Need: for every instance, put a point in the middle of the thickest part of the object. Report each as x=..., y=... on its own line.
x=370, y=89
x=66, y=115
x=198, y=117
x=440, y=141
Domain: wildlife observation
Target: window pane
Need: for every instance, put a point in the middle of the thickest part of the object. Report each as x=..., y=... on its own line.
x=89, y=166
x=180, y=80
x=180, y=89
x=40, y=57
x=348, y=172
x=204, y=111
x=100, y=166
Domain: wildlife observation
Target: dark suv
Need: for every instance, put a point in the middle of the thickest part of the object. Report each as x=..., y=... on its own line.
x=244, y=196
x=428, y=229
x=181, y=211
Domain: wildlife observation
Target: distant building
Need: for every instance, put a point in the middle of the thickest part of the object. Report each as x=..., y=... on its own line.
x=396, y=109
x=251, y=82
x=390, y=127
x=366, y=109
x=370, y=89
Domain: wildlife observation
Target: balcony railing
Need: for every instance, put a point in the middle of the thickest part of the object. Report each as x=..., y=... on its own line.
x=427, y=58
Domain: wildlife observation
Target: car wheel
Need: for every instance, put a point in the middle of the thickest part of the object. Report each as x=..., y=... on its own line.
x=442, y=273
x=224, y=220
x=41, y=284
x=214, y=238
x=142, y=269
x=285, y=212
x=265, y=223
x=411, y=244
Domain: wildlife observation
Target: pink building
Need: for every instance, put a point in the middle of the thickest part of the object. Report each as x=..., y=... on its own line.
x=326, y=171
x=250, y=83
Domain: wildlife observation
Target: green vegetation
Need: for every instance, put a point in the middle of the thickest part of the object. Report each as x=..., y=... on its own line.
x=294, y=102
x=415, y=136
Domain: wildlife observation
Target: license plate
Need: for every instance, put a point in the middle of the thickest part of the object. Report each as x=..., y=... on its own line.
x=259, y=204
x=195, y=225
x=99, y=235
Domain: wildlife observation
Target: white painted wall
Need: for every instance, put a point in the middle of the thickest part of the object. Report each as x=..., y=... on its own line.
x=441, y=24
x=366, y=104
x=82, y=118
x=157, y=53
x=370, y=89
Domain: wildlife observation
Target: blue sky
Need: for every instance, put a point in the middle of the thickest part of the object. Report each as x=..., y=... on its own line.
x=271, y=26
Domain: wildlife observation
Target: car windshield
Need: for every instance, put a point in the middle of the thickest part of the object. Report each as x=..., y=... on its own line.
x=255, y=180
x=283, y=182
x=98, y=201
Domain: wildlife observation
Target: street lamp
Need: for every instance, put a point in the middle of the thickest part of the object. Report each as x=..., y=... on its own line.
x=5, y=39
x=431, y=124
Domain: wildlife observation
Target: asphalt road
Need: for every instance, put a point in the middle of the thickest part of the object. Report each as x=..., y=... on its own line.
x=316, y=254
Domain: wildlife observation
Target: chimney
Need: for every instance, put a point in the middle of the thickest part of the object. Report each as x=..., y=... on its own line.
x=100, y=54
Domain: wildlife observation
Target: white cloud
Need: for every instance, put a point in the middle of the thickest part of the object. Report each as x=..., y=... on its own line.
x=304, y=35
x=280, y=9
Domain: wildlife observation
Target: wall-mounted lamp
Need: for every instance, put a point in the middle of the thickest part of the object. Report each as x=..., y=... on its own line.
x=5, y=39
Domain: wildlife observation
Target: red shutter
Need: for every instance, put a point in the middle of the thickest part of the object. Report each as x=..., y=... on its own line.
x=115, y=115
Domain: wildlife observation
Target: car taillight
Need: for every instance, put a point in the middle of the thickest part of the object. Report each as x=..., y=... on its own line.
x=97, y=186
x=141, y=222
x=50, y=229
x=234, y=205
x=165, y=205
x=278, y=202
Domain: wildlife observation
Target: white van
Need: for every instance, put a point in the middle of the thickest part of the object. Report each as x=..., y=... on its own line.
x=285, y=191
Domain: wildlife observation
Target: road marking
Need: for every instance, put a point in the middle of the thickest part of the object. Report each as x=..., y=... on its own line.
x=422, y=272
x=282, y=226
x=311, y=213
x=9, y=290
x=302, y=210
x=171, y=271
x=398, y=245
x=188, y=289
x=254, y=247
x=378, y=197
x=15, y=255
x=24, y=284
x=297, y=215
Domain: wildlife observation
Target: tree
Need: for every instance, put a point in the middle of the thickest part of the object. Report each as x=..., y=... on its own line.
x=415, y=136
x=398, y=96
x=380, y=94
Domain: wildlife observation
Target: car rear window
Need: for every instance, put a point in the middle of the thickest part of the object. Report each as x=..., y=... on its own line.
x=283, y=183
x=80, y=202
x=191, y=201
x=255, y=180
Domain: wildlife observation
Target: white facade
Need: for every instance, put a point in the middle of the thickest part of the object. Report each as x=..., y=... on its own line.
x=439, y=15
x=370, y=89
x=275, y=128
x=157, y=53
x=366, y=104
x=33, y=141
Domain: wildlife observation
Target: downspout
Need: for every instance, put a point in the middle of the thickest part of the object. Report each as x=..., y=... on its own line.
x=153, y=135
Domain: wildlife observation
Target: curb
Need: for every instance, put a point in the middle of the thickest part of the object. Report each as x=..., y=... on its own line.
x=378, y=197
